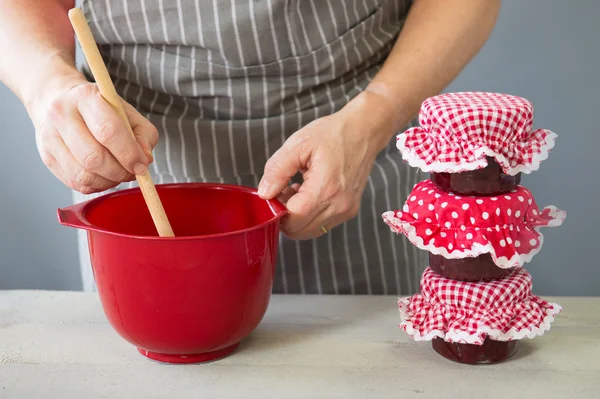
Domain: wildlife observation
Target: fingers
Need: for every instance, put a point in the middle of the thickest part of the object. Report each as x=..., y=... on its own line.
x=307, y=203
x=50, y=161
x=313, y=229
x=110, y=131
x=329, y=219
x=57, y=157
x=332, y=155
x=85, y=143
x=287, y=193
x=311, y=207
x=303, y=208
x=88, y=152
x=280, y=168
x=145, y=132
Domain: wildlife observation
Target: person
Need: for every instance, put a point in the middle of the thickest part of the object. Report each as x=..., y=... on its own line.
x=301, y=99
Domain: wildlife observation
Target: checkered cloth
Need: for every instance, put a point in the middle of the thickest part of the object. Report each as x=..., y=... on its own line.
x=506, y=226
x=468, y=312
x=458, y=131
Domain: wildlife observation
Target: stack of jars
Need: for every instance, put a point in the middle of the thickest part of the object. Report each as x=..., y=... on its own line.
x=479, y=225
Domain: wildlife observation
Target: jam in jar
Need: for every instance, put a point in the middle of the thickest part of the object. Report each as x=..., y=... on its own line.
x=490, y=352
x=480, y=268
x=490, y=180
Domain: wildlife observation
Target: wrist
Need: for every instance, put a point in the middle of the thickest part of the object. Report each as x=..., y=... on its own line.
x=56, y=76
x=399, y=105
x=380, y=117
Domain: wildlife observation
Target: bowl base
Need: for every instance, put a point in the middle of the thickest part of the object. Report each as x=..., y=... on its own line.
x=192, y=358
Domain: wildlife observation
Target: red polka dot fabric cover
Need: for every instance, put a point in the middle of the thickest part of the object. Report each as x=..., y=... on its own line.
x=505, y=226
x=470, y=312
x=458, y=131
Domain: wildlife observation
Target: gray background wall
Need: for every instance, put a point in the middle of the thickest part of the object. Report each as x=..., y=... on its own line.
x=544, y=50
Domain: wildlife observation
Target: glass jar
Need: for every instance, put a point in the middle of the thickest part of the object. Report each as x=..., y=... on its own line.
x=490, y=180
x=490, y=352
x=480, y=268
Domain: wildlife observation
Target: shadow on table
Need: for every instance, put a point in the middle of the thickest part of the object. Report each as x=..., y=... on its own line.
x=287, y=327
x=526, y=348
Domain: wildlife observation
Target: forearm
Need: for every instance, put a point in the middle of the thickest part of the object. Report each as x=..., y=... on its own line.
x=37, y=47
x=438, y=39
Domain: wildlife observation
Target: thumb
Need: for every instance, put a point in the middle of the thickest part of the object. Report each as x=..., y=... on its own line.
x=144, y=142
x=279, y=169
x=144, y=131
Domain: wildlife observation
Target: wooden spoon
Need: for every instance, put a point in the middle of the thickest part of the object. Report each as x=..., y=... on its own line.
x=108, y=91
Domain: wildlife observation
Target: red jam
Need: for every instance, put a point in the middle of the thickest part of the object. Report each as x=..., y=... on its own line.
x=480, y=268
x=490, y=180
x=490, y=352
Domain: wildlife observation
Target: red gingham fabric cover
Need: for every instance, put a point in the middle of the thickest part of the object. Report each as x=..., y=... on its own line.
x=505, y=226
x=458, y=131
x=468, y=312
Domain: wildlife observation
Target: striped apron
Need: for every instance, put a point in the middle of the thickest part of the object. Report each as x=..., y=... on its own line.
x=227, y=82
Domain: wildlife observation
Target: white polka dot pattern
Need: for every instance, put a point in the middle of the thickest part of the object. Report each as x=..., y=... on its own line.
x=507, y=228
x=468, y=312
x=458, y=131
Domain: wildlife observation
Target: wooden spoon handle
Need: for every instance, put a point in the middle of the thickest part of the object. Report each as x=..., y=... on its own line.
x=109, y=93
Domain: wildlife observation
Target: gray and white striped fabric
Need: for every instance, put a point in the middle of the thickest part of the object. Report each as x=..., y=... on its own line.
x=226, y=82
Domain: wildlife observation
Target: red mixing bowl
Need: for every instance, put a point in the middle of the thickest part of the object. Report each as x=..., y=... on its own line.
x=189, y=298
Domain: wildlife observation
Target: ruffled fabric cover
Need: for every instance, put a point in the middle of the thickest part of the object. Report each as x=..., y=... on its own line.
x=470, y=312
x=456, y=227
x=458, y=130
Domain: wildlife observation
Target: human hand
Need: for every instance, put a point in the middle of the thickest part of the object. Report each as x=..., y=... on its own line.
x=335, y=155
x=84, y=142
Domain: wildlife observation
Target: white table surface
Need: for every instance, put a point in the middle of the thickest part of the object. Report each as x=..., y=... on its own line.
x=59, y=345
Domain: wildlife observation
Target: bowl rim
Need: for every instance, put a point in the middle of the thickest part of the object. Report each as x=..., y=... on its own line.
x=80, y=210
